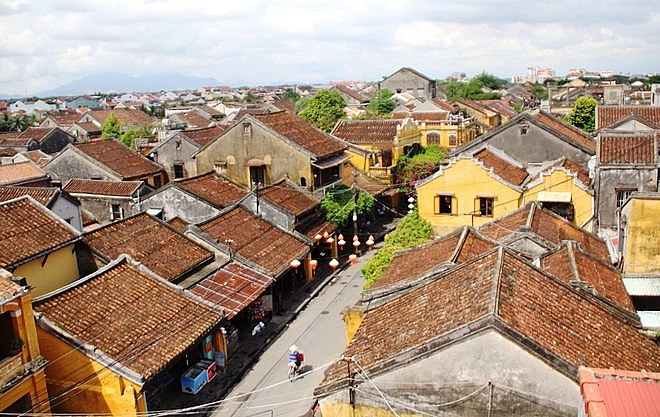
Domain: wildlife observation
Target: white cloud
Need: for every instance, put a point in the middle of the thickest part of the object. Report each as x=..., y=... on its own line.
x=47, y=43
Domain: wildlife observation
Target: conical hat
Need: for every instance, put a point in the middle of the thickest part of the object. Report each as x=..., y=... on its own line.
x=293, y=348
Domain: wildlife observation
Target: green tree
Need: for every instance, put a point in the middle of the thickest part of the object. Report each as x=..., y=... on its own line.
x=128, y=137
x=111, y=127
x=583, y=115
x=490, y=81
x=291, y=95
x=409, y=170
x=250, y=98
x=324, y=109
x=411, y=231
x=340, y=202
x=473, y=89
x=381, y=103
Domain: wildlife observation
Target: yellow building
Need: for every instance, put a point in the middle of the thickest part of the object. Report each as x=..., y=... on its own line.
x=641, y=243
x=113, y=337
x=470, y=191
x=37, y=245
x=22, y=380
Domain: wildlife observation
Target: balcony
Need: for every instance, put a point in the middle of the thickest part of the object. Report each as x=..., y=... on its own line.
x=11, y=367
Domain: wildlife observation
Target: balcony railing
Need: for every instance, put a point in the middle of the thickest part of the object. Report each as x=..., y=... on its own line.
x=10, y=368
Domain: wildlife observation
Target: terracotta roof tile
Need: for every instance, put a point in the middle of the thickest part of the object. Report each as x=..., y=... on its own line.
x=302, y=133
x=28, y=230
x=162, y=249
x=20, y=172
x=37, y=156
x=363, y=181
x=507, y=171
x=367, y=131
x=64, y=119
x=119, y=158
x=566, y=129
x=621, y=148
x=559, y=321
x=178, y=223
x=129, y=117
x=294, y=201
x=606, y=280
x=546, y=225
x=193, y=119
x=102, y=187
x=8, y=288
x=137, y=320
x=233, y=287
x=256, y=240
x=582, y=174
x=608, y=115
x=37, y=133
x=43, y=195
x=204, y=136
x=214, y=188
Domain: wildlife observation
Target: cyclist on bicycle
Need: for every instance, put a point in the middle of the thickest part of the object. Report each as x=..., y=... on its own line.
x=295, y=357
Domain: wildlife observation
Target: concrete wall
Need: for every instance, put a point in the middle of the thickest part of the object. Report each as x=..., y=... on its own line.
x=101, y=206
x=235, y=148
x=68, y=211
x=270, y=212
x=520, y=384
x=405, y=81
x=70, y=165
x=177, y=150
x=175, y=202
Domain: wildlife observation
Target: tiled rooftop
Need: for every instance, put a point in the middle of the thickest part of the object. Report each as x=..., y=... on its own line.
x=135, y=319
x=20, y=172
x=363, y=181
x=214, y=188
x=43, y=195
x=162, y=249
x=571, y=263
x=302, y=133
x=559, y=322
x=256, y=240
x=507, y=171
x=367, y=131
x=102, y=187
x=29, y=230
x=128, y=117
x=119, y=158
x=608, y=115
x=8, y=288
x=287, y=197
x=621, y=148
x=566, y=129
x=203, y=136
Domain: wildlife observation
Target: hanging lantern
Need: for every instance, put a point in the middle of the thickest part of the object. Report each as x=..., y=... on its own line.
x=340, y=237
x=330, y=240
x=355, y=238
x=317, y=238
x=352, y=258
x=341, y=243
x=295, y=264
x=313, y=263
x=370, y=242
x=334, y=264
x=325, y=234
x=356, y=244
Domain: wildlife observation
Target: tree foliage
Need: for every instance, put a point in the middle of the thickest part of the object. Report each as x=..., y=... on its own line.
x=324, y=109
x=474, y=89
x=339, y=203
x=291, y=95
x=411, y=231
x=16, y=122
x=583, y=115
x=381, y=103
x=489, y=81
x=111, y=127
x=409, y=170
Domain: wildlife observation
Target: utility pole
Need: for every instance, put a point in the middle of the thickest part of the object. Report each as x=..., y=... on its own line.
x=355, y=200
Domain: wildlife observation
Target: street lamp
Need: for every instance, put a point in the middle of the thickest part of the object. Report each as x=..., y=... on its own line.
x=411, y=204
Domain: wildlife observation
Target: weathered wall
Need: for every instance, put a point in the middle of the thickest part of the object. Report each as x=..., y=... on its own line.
x=561, y=181
x=642, y=242
x=59, y=268
x=69, y=165
x=175, y=202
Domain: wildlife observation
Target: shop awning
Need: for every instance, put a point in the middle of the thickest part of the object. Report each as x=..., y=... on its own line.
x=331, y=161
x=554, y=197
x=233, y=288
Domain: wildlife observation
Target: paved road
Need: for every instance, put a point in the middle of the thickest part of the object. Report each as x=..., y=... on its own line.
x=319, y=331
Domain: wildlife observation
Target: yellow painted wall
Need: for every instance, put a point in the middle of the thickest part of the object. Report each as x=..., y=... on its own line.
x=60, y=268
x=561, y=181
x=352, y=320
x=89, y=386
x=345, y=409
x=642, y=245
x=466, y=179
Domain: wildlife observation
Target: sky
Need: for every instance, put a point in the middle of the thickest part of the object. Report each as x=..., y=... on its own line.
x=47, y=43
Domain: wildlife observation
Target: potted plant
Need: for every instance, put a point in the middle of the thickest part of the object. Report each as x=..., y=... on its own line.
x=15, y=345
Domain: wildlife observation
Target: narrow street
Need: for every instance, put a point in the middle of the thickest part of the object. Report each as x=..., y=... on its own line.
x=319, y=332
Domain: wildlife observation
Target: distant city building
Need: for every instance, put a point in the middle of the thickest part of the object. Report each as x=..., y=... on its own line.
x=535, y=75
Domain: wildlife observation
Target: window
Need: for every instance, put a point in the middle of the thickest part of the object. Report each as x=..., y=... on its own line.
x=178, y=170
x=303, y=182
x=443, y=204
x=116, y=212
x=258, y=175
x=622, y=195
x=452, y=140
x=523, y=129
x=433, y=138
x=247, y=128
x=486, y=206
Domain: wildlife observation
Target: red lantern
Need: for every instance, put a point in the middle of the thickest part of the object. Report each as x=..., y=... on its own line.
x=313, y=263
x=352, y=258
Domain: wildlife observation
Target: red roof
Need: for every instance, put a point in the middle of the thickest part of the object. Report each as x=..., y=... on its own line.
x=616, y=393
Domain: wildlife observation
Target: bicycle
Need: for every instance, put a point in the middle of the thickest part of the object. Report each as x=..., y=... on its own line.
x=294, y=371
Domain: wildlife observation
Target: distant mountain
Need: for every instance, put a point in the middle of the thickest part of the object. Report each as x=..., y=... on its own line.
x=109, y=83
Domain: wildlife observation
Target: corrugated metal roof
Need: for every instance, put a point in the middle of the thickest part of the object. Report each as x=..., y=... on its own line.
x=620, y=393
x=642, y=286
x=649, y=319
